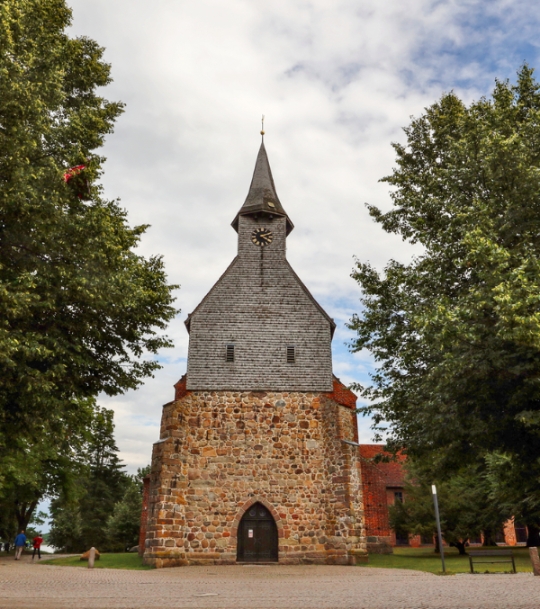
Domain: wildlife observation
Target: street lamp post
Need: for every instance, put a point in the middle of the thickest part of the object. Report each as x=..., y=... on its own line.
x=437, y=518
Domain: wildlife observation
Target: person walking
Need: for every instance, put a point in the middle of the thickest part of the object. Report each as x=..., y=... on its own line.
x=20, y=542
x=38, y=540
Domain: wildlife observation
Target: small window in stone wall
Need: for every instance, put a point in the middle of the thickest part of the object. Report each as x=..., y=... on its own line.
x=291, y=355
x=229, y=355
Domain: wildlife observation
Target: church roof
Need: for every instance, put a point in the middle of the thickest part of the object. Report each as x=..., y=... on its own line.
x=262, y=196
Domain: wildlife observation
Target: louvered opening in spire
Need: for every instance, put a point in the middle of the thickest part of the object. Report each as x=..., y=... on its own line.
x=262, y=197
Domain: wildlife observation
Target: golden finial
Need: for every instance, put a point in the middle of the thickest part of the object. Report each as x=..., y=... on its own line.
x=262, y=125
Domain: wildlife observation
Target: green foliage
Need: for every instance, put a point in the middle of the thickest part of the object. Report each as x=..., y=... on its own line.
x=34, y=526
x=514, y=489
x=124, y=523
x=125, y=560
x=79, y=519
x=465, y=504
x=80, y=311
x=66, y=529
x=422, y=559
x=31, y=470
x=456, y=332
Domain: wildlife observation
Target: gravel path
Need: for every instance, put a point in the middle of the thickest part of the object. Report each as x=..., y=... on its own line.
x=27, y=585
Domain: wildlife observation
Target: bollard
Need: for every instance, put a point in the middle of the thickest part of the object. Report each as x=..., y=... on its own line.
x=91, y=558
x=533, y=553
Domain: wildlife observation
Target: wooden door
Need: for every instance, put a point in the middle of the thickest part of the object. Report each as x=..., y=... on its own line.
x=257, y=536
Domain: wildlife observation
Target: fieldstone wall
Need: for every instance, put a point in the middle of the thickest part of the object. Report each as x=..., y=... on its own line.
x=144, y=514
x=222, y=451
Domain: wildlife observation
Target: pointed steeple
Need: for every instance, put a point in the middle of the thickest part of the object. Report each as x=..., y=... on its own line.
x=262, y=197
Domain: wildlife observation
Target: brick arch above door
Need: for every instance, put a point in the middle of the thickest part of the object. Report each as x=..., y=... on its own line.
x=245, y=508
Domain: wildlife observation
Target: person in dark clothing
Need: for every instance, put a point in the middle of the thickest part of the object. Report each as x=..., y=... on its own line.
x=38, y=540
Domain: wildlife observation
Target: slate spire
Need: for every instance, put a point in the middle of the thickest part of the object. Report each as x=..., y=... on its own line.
x=262, y=198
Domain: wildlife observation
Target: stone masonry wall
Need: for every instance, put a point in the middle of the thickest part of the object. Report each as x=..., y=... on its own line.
x=220, y=452
x=261, y=307
x=144, y=514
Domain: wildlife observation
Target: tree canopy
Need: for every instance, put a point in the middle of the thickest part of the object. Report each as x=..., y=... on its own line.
x=103, y=507
x=456, y=332
x=467, y=509
x=81, y=311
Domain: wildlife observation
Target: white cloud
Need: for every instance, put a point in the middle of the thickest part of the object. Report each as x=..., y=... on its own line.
x=336, y=80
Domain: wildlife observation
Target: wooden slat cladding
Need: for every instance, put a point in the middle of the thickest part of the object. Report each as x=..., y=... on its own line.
x=261, y=307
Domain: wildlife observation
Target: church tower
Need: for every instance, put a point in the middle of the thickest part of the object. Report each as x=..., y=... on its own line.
x=257, y=459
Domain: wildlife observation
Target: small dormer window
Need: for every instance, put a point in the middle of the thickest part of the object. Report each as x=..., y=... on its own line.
x=229, y=354
x=291, y=354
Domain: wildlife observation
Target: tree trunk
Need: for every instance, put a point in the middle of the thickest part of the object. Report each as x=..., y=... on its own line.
x=460, y=545
x=533, y=536
x=437, y=548
x=489, y=538
x=24, y=512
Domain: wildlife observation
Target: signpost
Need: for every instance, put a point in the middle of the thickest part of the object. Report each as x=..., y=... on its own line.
x=439, y=534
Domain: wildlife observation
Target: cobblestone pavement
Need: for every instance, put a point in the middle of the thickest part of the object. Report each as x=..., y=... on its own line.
x=26, y=585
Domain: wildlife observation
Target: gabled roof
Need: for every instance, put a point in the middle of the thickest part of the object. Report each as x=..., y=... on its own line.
x=262, y=196
x=300, y=283
x=310, y=296
x=190, y=315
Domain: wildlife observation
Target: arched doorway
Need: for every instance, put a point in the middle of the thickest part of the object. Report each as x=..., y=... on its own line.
x=257, y=536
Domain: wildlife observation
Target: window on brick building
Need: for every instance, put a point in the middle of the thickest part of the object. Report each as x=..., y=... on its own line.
x=398, y=496
x=291, y=354
x=229, y=354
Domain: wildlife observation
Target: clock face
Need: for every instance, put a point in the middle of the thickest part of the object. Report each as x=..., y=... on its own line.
x=261, y=237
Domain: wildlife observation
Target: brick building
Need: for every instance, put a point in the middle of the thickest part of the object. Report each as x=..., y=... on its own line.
x=382, y=485
x=257, y=458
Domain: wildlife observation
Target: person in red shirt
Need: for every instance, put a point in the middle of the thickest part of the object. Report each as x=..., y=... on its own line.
x=37, y=545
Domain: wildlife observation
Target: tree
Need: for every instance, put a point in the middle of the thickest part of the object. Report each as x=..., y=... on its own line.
x=456, y=332
x=515, y=490
x=466, y=506
x=80, y=311
x=124, y=524
x=32, y=470
x=79, y=518
x=66, y=529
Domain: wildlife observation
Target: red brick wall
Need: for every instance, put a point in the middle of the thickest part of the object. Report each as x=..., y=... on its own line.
x=180, y=389
x=376, y=479
x=342, y=395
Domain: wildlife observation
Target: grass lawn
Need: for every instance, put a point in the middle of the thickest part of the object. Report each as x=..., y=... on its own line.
x=122, y=560
x=425, y=559
x=419, y=559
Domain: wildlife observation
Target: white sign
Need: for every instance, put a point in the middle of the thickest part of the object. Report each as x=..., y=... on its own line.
x=250, y=533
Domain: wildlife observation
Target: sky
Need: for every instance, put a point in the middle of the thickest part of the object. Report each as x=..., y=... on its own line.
x=337, y=80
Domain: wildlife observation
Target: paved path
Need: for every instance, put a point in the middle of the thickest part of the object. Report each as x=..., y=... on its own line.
x=24, y=585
